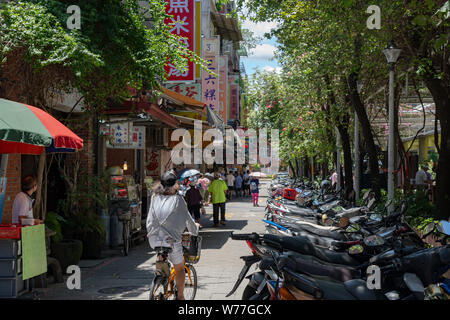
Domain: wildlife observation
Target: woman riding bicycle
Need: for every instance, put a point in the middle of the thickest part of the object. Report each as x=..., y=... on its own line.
x=167, y=219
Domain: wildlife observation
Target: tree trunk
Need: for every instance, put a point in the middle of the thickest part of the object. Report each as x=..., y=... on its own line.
x=347, y=150
x=367, y=134
x=293, y=169
x=441, y=97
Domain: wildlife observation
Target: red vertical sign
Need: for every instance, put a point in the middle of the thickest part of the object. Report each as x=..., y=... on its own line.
x=182, y=23
x=223, y=88
x=234, y=97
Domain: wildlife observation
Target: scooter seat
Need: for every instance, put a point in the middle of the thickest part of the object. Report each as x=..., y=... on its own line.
x=315, y=268
x=349, y=213
x=358, y=289
x=304, y=246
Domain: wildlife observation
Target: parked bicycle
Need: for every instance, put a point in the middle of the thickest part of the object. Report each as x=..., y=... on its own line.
x=125, y=218
x=164, y=286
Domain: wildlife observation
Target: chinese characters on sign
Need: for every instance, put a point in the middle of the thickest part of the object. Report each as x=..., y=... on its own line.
x=223, y=88
x=152, y=162
x=210, y=82
x=234, y=97
x=124, y=136
x=182, y=23
x=192, y=90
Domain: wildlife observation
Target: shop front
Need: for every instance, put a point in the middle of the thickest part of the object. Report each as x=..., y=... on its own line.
x=23, y=244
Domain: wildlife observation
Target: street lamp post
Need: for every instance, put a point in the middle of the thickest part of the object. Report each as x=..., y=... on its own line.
x=357, y=160
x=392, y=53
x=338, y=160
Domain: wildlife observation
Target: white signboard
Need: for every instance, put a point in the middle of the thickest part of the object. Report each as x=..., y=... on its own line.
x=124, y=136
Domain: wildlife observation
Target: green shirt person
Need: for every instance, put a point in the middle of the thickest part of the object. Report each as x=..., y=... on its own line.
x=217, y=189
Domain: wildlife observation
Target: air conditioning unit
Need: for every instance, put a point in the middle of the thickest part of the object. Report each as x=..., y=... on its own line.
x=161, y=137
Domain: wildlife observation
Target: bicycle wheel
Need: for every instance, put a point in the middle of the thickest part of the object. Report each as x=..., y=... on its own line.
x=190, y=284
x=126, y=238
x=158, y=289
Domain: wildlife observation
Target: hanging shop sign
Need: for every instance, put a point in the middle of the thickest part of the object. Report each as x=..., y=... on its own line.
x=191, y=90
x=234, y=97
x=182, y=23
x=210, y=82
x=123, y=136
x=153, y=163
x=223, y=88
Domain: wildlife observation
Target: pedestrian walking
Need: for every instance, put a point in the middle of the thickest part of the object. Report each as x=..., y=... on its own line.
x=194, y=202
x=247, y=183
x=201, y=185
x=230, y=184
x=217, y=188
x=238, y=185
x=254, y=189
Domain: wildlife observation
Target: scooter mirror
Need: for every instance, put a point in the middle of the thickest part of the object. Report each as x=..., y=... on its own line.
x=414, y=284
x=366, y=195
x=373, y=241
x=388, y=203
x=371, y=203
x=443, y=227
x=376, y=217
x=356, y=249
x=429, y=228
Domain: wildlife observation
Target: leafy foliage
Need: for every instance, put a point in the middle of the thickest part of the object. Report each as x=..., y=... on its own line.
x=112, y=50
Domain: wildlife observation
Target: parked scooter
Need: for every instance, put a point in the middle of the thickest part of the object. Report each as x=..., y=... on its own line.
x=286, y=273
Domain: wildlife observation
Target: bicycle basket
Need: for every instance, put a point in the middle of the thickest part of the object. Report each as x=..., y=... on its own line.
x=192, y=247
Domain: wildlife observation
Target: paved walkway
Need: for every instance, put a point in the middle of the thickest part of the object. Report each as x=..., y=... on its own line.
x=125, y=278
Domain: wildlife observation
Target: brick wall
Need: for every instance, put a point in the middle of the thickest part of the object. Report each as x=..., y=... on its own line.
x=84, y=129
x=13, y=176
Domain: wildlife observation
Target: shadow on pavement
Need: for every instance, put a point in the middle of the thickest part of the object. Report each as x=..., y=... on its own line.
x=214, y=240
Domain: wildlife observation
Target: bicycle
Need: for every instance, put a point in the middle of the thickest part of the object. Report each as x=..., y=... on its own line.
x=125, y=218
x=163, y=286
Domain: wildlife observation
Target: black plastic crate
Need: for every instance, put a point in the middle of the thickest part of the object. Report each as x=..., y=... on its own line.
x=10, y=267
x=10, y=248
x=13, y=287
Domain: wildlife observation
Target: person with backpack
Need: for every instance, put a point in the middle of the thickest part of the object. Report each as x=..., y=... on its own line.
x=254, y=189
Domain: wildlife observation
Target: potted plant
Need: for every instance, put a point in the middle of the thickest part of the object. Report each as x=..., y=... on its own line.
x=66, y=251
x=85, y=194
x=87, y=227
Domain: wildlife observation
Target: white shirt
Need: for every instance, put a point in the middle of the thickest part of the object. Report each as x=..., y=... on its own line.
x=22, y=206
x=167, y=218
x=421, y=177
x=230, y=180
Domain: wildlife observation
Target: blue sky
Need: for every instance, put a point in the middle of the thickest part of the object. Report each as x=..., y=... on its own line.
x=262, y=57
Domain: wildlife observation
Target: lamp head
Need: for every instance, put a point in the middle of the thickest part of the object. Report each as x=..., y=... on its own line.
x=392, y=52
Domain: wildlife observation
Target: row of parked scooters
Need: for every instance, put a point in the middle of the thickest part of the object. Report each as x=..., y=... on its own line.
x=319, y=246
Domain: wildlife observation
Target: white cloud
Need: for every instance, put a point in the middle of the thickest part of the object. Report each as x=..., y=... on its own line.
x=272, y=69
x=262, y=51
x=259, y=28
